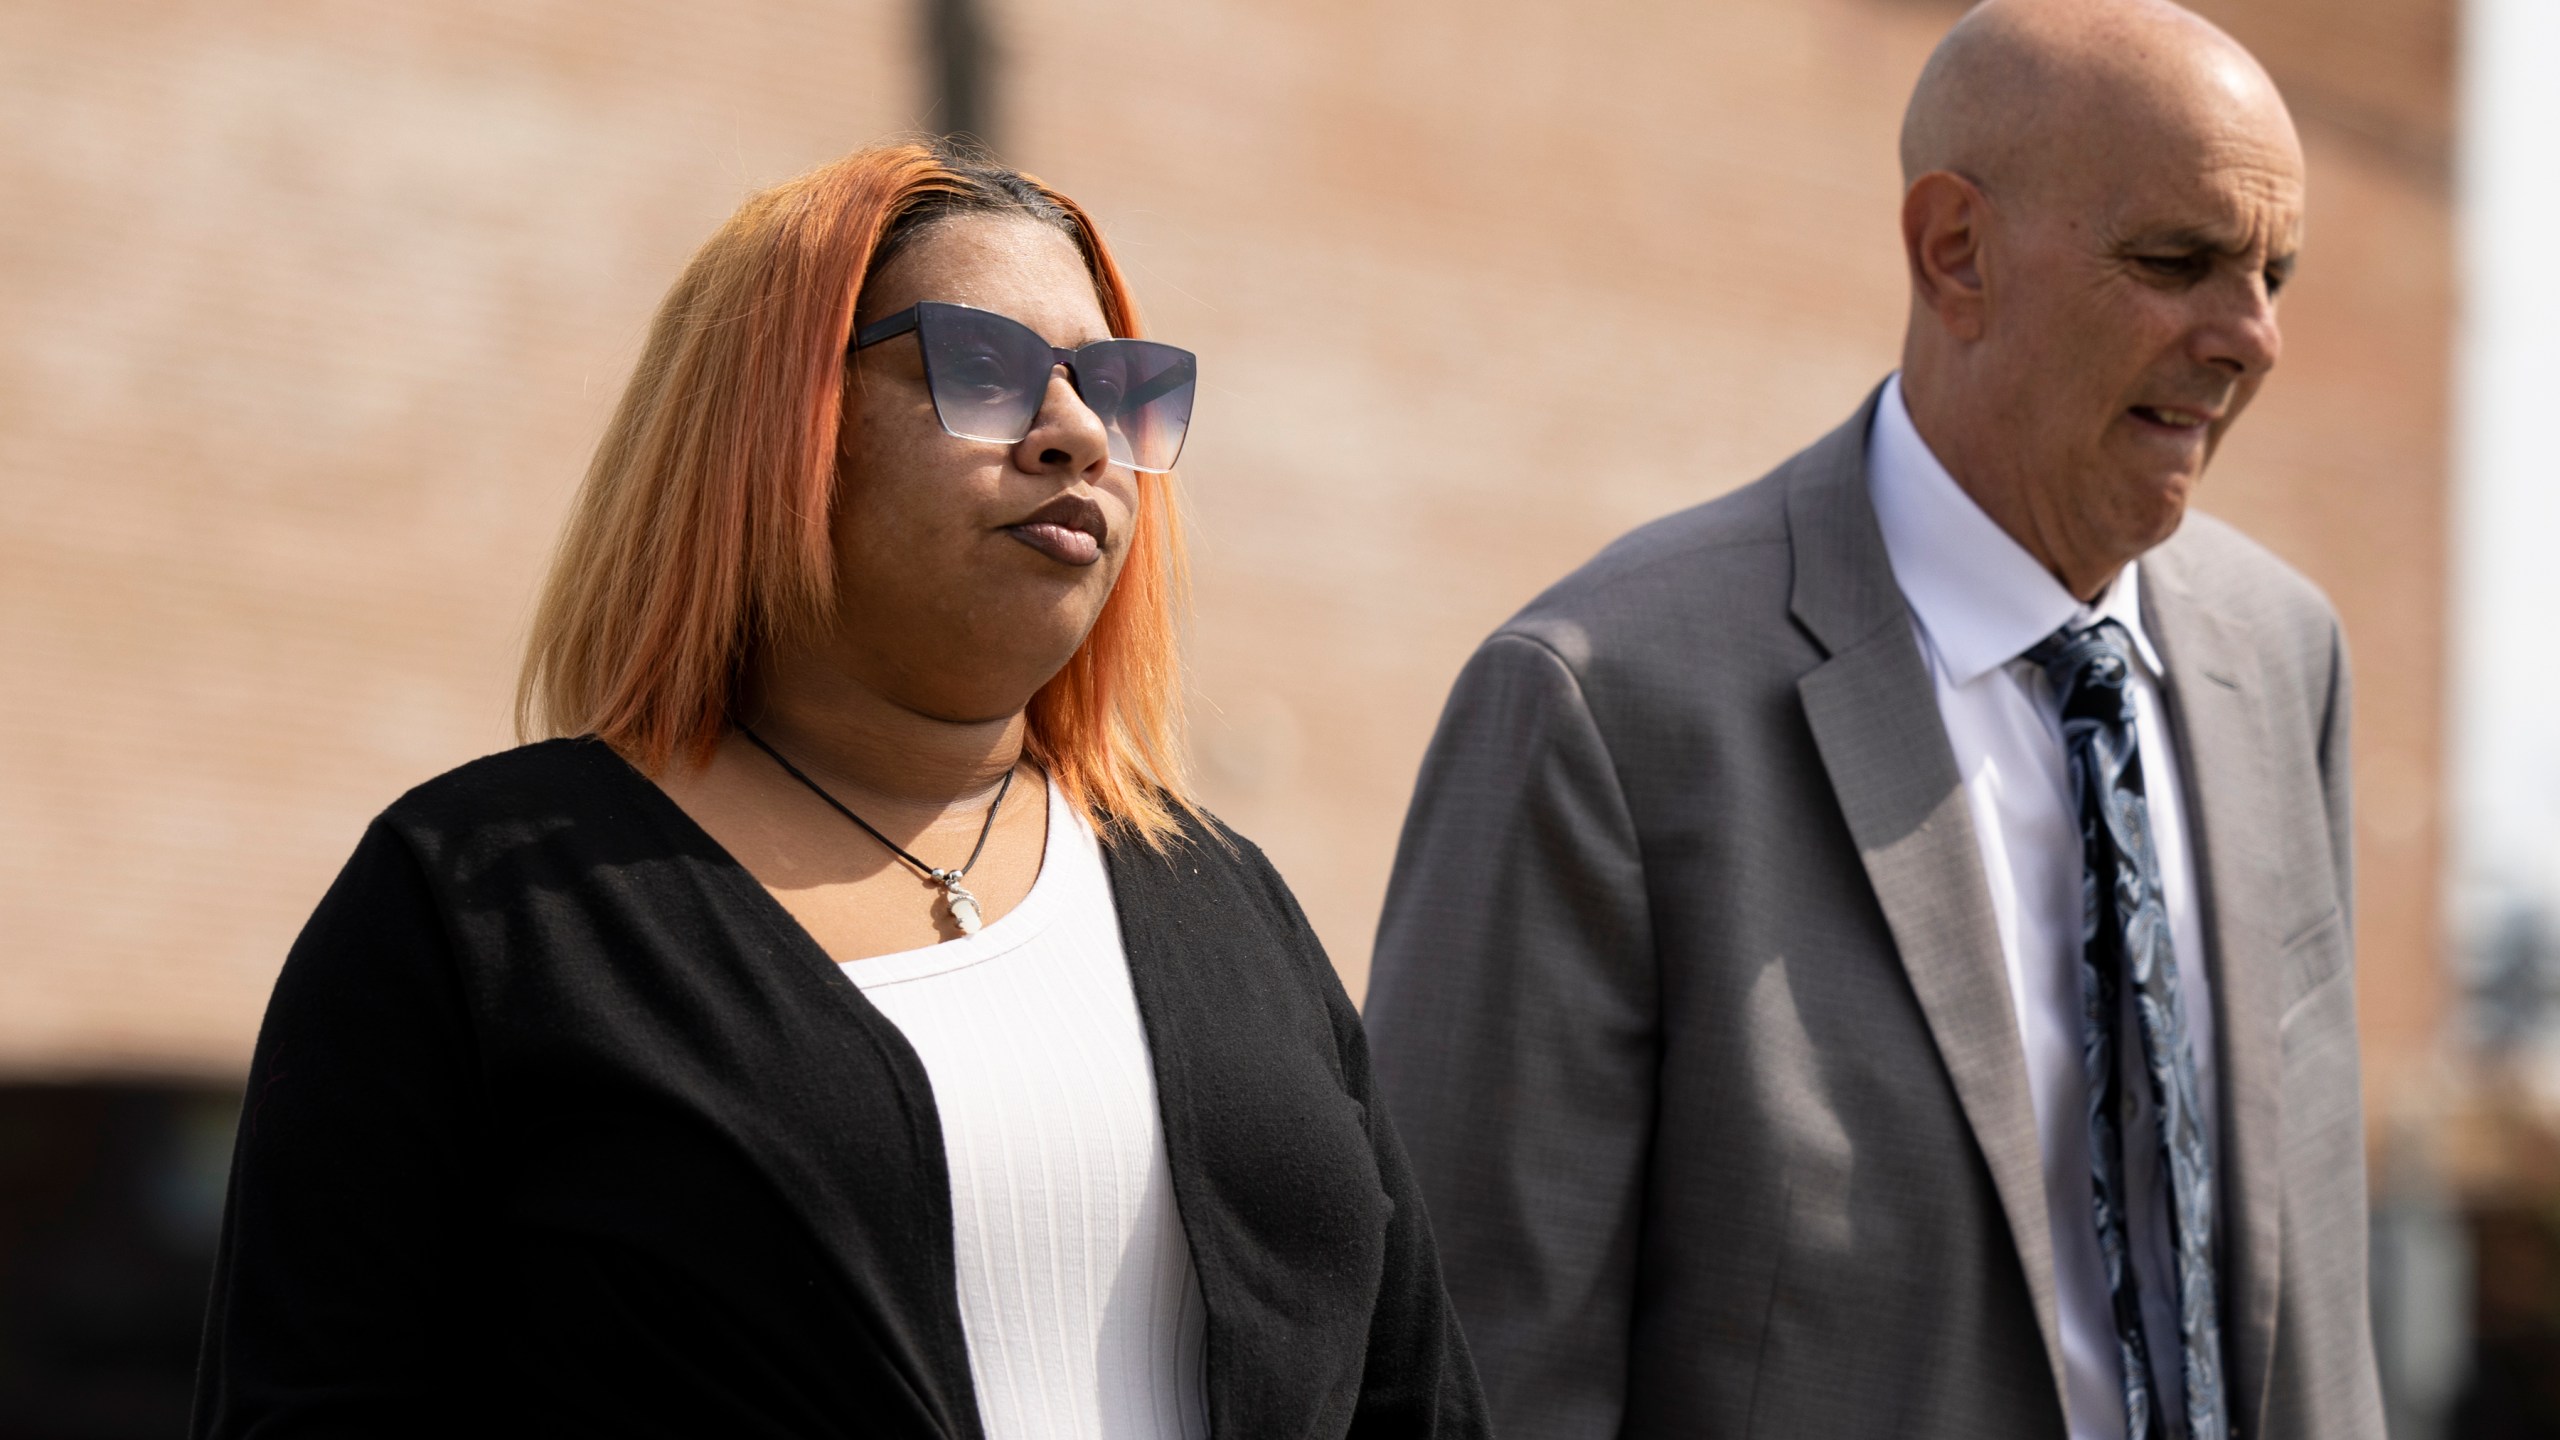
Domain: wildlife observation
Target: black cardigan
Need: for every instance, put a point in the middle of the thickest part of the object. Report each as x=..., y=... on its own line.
x=558, y=1123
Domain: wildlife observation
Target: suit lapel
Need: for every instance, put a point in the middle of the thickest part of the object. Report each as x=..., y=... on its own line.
x=2213, y=683
x=1873, y=711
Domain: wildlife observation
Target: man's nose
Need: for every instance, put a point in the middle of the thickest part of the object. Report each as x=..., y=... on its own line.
x=2241, y=337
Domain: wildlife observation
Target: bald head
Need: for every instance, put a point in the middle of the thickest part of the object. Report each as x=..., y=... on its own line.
x=2102, y=199
x=2024, y=91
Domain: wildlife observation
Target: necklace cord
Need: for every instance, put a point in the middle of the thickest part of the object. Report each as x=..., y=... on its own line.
x=944, y=878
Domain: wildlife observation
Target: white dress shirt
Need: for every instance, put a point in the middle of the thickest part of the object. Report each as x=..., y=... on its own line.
x=1979, y=601
x=1077, y=1295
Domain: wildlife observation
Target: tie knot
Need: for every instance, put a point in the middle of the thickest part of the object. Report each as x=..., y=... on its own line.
x=2090, y=669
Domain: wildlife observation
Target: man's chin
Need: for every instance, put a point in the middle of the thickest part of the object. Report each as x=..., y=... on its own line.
x=2156, y=514
x=2143, y=504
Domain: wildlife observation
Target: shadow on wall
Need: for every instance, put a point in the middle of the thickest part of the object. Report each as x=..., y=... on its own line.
x=110, y=1203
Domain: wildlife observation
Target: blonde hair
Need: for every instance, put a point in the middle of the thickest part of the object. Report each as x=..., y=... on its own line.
x=701, y=535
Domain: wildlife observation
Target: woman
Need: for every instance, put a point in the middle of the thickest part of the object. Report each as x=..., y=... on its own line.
x=855, y=1031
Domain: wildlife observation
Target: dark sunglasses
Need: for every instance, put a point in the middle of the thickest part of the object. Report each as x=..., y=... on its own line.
x=989, y=373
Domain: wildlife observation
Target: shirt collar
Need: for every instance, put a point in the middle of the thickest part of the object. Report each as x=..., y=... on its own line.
x=1982, y=599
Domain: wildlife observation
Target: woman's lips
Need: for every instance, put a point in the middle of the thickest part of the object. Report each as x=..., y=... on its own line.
x=1069, y=529
x=1061, y=543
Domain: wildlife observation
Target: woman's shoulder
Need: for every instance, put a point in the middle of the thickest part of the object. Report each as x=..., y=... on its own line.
x=1200, y=850
x=1207, y=867
x=530, y=794
x=529, y=778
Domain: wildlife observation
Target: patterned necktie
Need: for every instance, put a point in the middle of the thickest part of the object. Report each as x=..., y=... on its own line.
x=2126, y=954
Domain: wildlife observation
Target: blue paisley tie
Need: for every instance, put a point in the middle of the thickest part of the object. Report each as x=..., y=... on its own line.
x=2126, y=957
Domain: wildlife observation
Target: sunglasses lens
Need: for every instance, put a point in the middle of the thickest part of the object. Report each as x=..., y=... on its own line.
x=989, y=372
x=1141, y=391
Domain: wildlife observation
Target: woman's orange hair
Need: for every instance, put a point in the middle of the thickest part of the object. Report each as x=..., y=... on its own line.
x=702, y=532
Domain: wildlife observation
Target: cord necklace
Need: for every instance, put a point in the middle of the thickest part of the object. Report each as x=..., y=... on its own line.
x=962, y=905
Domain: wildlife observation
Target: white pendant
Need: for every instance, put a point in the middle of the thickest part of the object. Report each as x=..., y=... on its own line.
x=964, y=908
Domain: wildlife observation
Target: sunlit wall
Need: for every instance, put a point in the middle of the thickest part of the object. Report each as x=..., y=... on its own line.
x=309, y=314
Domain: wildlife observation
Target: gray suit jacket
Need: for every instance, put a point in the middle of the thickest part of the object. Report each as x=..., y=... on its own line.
x=1689, y=1004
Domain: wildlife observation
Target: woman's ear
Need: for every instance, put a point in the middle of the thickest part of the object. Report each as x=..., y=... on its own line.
x=1944, y=216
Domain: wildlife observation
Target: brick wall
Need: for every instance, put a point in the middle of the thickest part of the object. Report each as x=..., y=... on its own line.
x=309, y=314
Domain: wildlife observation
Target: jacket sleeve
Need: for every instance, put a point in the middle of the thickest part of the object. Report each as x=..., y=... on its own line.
x=1514, y=1015
x=335, y=1287
x=1419, y=1380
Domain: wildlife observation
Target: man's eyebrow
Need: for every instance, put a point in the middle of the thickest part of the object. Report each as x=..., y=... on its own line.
x=2188, y=238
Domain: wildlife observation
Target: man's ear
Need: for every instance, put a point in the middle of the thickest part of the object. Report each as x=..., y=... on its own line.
x=1943, y=218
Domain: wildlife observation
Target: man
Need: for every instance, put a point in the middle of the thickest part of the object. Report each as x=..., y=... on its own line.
x=1870, y=955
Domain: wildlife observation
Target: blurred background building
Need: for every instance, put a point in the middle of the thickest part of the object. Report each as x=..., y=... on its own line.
x=310, y=311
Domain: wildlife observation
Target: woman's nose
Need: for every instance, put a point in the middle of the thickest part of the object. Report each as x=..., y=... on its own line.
x=1066, y=436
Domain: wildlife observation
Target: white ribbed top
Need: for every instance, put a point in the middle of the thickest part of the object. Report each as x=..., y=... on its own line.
x=1076, y=1288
